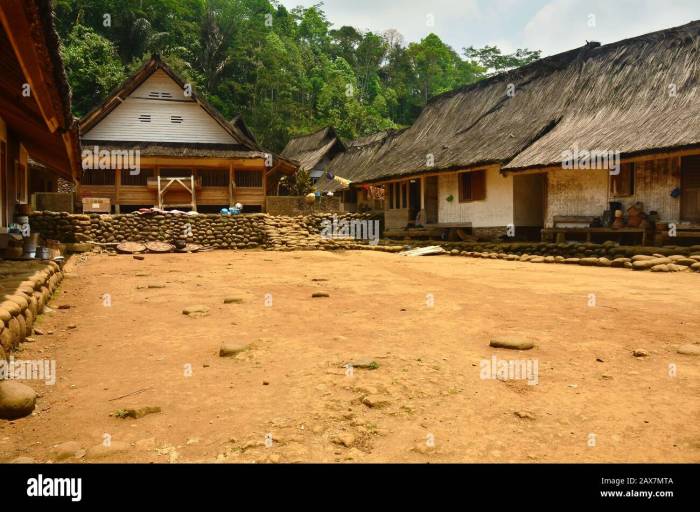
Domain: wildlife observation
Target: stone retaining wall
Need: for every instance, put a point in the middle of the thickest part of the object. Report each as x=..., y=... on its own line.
x=26, y=287
x=608, y=254
x=247, y=231
x=296, y=205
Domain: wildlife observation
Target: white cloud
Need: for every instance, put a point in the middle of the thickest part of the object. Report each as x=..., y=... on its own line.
x=548, y=25
x=565, y=24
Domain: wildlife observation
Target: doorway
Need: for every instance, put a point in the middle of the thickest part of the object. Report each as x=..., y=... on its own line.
x=529, y=205
x=431, y=200
x=414, y=194
x=690, y=188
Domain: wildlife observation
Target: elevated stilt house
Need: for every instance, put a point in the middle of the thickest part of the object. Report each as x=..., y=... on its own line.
x=36, y=123
x=513, y=154
x=188, y=156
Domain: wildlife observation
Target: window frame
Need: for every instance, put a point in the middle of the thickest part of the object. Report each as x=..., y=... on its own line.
x=631, y=185
x=461, y=189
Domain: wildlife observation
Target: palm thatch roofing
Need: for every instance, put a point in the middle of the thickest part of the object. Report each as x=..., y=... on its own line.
x=613, y=97
x=309, y=150
x=357, y=163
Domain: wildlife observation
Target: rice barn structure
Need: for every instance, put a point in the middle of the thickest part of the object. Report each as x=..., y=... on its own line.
x=189, y=156
x=555, y=147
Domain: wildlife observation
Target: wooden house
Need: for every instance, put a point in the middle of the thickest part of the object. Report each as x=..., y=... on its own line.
x=35, y=104
x=492, y=156
x=314, y=151
x=188, y=155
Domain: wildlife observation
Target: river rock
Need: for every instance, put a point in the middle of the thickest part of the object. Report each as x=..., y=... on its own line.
x=689, y=349
x=195, y=310
x=17, y=400
x=232, y=348
x=512, y=344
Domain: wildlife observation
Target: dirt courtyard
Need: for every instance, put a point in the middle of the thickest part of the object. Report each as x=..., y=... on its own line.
x=425, y=322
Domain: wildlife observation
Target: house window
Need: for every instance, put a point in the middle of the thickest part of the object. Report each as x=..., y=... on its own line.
x=98, y=177
x=21, y=183
x=213, y=177
x=395, y=196
x=472, y=186
x=176, y=119
x=135, y=180
x=160, y=94
x=622, y=184
x=145, y=118
x=249, y=179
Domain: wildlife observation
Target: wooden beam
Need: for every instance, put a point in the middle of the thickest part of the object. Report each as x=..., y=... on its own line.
x=188, y=162
x=36, y=72
x=117, y=190
x=230, y=185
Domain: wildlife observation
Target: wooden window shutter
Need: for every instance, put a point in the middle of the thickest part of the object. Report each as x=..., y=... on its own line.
x=622, y=184
x=478, y=185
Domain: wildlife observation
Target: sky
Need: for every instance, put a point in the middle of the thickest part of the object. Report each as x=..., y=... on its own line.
x=552, y=26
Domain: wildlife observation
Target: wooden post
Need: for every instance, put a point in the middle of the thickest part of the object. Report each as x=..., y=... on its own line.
x=156, y=175
x=422, y=193
x=230, y=185
x=264, y=184
x=194, y=192
x=117, y=190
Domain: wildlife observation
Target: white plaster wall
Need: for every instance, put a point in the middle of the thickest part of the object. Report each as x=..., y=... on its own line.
x=495, y=210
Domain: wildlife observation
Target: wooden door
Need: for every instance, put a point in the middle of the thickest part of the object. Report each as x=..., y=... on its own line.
x=431, y=200
x=690, y=188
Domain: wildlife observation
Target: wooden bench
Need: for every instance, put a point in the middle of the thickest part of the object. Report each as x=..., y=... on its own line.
x=682, y=231
x=585, y=229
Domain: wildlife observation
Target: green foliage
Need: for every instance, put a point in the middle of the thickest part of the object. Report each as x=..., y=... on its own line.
x=491, y=58
x=286, y=71
x=298, y=185
x=92, y=66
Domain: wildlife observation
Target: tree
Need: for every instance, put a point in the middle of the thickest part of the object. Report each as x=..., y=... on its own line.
x=492, y=59
x=287, y=72
x=93, y=67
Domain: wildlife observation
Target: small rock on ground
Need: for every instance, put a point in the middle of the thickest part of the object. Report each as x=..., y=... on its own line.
x=375, y=401
x=232, y=349
x=512, y=344
x=689, y=349
x=67, y=450
x=346, y=439
x=195, y=310
x=17, y=400
x=640, y=352
x=318, y=295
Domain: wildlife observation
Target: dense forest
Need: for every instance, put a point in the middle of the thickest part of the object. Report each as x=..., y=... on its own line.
x=288, y=72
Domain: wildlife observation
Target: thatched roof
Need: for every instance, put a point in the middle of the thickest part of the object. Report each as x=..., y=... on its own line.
x=31, y=54
x=599, y=97
x=622, y=99
x=357, y=163
x=311, y=149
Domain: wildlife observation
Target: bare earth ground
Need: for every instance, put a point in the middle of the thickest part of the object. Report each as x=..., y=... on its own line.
x=428, y=361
